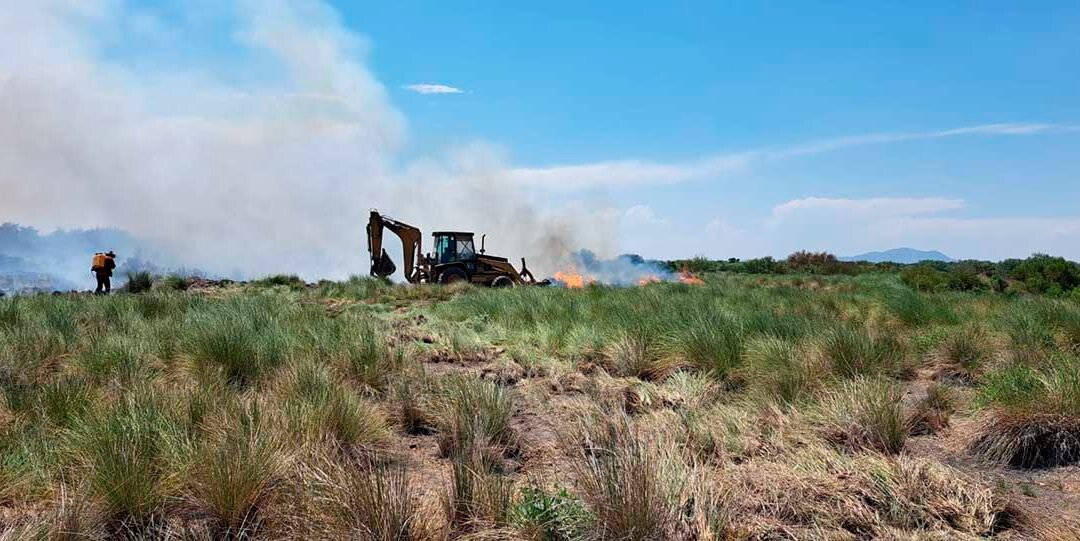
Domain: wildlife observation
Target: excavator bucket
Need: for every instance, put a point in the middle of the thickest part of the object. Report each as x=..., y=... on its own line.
x=384, y=266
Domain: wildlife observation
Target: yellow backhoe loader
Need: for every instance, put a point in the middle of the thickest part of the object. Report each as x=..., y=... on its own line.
x=455, y=258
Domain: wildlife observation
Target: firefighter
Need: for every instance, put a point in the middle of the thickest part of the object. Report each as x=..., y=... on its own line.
x=103, y=270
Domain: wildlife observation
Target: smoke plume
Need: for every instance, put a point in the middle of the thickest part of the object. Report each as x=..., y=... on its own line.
x=265, y=162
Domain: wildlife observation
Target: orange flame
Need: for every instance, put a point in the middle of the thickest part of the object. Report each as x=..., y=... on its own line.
x=572, y=279
x=651, y=279
x=687, y=277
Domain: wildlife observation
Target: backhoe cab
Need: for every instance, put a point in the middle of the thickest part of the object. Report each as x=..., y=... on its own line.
x=454, y=259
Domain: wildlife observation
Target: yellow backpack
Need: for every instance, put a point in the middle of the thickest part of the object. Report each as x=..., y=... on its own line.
x=99, y=261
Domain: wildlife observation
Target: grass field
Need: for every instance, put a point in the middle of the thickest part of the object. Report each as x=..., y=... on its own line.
x=750, y=407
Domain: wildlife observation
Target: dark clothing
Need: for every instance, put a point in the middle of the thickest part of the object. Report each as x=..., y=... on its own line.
x=104, y=283
x=103, y=274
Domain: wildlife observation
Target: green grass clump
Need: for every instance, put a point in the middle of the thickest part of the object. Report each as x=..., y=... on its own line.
x=965, y=352
x=475, y=415
x=638, y=353
x=853, y=352
x=783, y=370
x=235, y=471
x=320, y=406
x=238, y=340
x=713, y=343
x=126, y=453
x=360, y=288
x=866, y=413
x=139, y=282
x=290, y=281
x=1034, y=417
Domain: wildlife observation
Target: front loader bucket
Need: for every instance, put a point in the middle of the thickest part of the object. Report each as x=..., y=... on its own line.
x=384, y=266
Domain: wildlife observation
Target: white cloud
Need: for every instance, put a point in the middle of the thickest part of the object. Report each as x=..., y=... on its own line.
x=875, y=207
x=423, y=88
x=642, y=215
x=720, y=227
x=622, y=174
x=629, y=173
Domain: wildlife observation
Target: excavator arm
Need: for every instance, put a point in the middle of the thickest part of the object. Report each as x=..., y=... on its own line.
x=381, y=264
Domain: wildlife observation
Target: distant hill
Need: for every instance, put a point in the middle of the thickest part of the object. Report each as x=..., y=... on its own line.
x=899, y=255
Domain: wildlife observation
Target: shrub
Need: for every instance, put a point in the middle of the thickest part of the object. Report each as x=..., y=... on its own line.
x=925, y=277
x=1041, y=273
x=965, y=278
x=139, y=282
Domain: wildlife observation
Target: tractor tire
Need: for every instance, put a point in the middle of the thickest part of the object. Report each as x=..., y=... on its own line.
x=453, y=276
x=502, y=281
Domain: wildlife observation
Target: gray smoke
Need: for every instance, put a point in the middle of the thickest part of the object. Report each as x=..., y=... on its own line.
x=240, y=174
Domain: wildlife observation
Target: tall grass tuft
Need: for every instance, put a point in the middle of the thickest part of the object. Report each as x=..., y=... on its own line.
x=630, y=485
x=475, y=414
x=235, y=471
x=965, y=352
x=638, y=353
x=1034, y=418
x=371, y=498
x=125, y=451
x=784, y=371
x=139, y=282
x=853, y=352
x=479, y=499
x=320, y=406
x=241, y=342
x=865, y=413
x=713, y=343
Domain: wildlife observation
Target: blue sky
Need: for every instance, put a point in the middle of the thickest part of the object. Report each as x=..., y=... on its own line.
x=716, y=128
x=567, y=83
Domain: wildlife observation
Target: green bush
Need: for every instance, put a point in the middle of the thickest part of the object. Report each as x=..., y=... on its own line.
x=1041, y=273
x=925, y=277
x=139, y=282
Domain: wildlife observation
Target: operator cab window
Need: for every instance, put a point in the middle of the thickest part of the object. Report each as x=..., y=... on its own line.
x=465, y=249
x=444, y=249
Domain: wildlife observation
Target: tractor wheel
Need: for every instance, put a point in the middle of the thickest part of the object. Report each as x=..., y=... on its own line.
x=502, y=281
x=453, y=276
